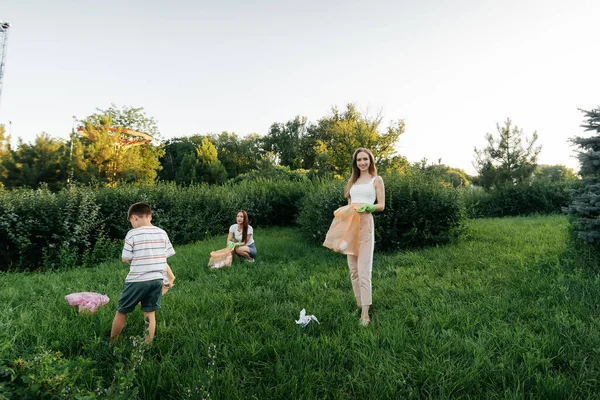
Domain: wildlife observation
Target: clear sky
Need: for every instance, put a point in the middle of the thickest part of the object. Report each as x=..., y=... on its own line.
x=450, y=69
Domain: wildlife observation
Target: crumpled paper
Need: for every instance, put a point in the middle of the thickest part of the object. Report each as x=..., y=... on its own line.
x=305, y=319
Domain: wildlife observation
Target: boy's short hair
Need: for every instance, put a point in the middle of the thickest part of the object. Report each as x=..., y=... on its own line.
x=140, y=209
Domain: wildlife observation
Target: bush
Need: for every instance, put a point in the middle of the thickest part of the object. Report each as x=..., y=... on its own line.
x=38, y=227
x=316, y=209
x=539, y=197
x=273, y=173
x=86, y=225
x=418, y=212
x=196, y=212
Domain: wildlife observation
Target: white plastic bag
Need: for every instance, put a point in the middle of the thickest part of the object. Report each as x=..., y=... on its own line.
x=305, y=319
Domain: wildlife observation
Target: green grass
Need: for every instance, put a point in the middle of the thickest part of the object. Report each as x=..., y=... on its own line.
x=510, y=311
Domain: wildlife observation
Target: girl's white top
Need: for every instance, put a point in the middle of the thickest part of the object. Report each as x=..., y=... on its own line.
x=238, y=234
x=364, y=192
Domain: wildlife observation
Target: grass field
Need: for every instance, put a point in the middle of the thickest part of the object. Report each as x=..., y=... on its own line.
x=510, y=311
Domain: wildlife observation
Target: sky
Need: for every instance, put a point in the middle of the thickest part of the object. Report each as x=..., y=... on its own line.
x=451, y=70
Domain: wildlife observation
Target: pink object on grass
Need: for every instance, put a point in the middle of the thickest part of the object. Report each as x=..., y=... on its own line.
x=87, y=300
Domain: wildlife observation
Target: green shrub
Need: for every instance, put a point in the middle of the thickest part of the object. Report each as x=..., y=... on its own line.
x=317, y=207
x=195, y=212
x=418, y=212
x=86, y=225
x=38, y=227
x=45, y=375
x=273, y=173
x=538, y=197
x=272, y=203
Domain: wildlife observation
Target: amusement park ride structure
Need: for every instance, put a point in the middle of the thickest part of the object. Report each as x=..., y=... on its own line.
x=4, y=27
x=125, y=138
x=122, y=138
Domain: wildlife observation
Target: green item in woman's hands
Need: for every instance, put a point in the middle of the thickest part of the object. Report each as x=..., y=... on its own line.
x=367, y=207
x=371, y=208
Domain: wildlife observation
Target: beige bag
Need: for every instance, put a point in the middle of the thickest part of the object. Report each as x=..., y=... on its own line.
x=342, y=236
x=221, y=258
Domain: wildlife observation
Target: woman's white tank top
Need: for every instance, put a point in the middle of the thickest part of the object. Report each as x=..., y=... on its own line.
x=363, y=193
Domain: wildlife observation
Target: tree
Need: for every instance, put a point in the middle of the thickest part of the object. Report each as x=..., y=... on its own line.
x=186, y=172
x=395, y=164
x=44, y=161
x=176, y=150
x=209, y=169
x=337, y=136
x=101, y=151
x=585, y=203
x=443, y=173
x=192, y=159
x=128, y=117
x=233, y=155
x=555, y=173
x=505, y=159
x=286, y=142
x=238, y=156
x=6, y=159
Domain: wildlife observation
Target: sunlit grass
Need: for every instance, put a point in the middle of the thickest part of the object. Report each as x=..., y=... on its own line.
x=509, y=311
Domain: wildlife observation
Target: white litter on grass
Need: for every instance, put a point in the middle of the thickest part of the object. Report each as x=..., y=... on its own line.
x=220, y=264
x=305, y=319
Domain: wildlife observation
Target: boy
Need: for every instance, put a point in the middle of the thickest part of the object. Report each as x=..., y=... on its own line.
x=146, y=250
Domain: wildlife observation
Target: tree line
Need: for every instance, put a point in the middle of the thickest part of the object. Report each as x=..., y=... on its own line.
x=102, y=150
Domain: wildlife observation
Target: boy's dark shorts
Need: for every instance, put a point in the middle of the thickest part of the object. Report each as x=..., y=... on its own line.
x=148, y=293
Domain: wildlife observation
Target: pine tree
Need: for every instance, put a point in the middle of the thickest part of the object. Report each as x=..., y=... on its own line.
x=585, y=203
x=506, y=159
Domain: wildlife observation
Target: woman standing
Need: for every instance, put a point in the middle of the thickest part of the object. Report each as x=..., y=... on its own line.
x=364, y=188
x=241, y=232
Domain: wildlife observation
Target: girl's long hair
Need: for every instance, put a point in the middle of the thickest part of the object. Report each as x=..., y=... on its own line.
x=356, y=171
x=244, y=226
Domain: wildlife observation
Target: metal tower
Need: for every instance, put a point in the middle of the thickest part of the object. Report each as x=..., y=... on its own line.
x=4, y=26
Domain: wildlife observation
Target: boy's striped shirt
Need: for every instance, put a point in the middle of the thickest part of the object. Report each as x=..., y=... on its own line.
x=148, y=248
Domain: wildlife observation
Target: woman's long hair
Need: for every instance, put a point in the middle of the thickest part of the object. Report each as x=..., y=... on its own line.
x=244, y=225
x=356, y=171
